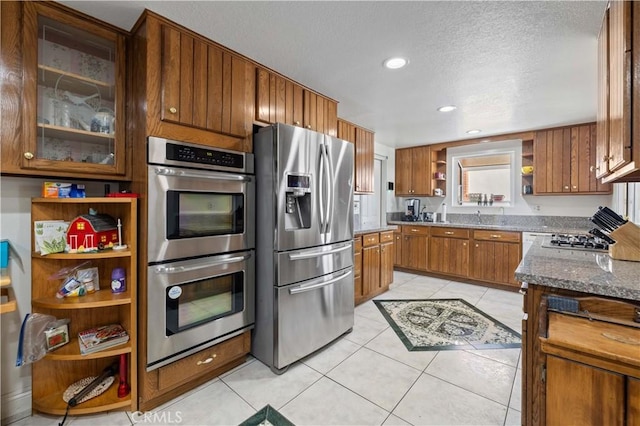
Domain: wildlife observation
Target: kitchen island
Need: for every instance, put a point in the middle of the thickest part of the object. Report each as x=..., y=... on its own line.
x=580, y=344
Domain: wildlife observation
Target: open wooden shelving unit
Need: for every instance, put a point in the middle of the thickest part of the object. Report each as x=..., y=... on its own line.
x=65, y=365
x=5, y=290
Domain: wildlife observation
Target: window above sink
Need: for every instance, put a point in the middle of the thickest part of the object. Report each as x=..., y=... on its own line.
x=484, y=174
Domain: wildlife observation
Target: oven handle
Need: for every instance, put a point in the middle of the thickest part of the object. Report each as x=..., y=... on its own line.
x=315, y=253
x=177, y=269
x=167, y=171
x=309, y=287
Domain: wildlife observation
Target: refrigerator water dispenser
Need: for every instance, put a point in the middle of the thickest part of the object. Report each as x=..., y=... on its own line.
x=298, y=202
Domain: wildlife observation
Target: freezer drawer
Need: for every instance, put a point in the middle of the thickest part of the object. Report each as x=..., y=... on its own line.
x=311, y=314
x=299, y=265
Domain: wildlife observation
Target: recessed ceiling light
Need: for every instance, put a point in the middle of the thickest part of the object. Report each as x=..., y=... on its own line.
x=473, y=131
x=447, y=108
x=395, y=63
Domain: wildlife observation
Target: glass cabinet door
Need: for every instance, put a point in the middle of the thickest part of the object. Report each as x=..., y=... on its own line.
x=77, y=80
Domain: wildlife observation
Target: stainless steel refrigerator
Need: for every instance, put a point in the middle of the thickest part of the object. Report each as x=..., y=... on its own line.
x=304, y=243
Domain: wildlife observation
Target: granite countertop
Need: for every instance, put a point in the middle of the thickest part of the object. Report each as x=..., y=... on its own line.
x=578, y=270
x=381, y=228
x=519, y=228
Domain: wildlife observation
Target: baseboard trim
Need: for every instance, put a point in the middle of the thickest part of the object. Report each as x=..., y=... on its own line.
x=15, y=407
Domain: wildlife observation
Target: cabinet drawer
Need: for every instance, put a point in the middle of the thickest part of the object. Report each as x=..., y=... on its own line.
x=370, y=240
x=449, y=232
x=415, y=230
x=204, y=361
x=357, y=244
x=386, y=236
x=507, y=236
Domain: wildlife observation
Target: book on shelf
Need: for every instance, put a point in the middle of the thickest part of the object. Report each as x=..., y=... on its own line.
x=100, y=338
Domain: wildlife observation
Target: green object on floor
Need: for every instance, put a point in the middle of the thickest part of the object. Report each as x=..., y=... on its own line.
x=444, y=324
x=267, y=416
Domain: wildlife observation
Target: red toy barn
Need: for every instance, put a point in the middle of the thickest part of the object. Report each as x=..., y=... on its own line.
x=92, y=232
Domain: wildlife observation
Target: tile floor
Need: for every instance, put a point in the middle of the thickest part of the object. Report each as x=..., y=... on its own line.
x=366, y=377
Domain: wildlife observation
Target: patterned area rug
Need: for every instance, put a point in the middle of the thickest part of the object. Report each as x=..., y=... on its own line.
x=267, y=416
x=444, y=324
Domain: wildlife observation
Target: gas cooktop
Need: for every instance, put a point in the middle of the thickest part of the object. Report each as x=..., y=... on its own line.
x=576, y=242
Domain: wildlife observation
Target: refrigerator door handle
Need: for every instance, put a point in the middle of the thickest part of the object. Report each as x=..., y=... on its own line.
x=320, y=190
x=317, y=285
x=316, y=253
x=330, y=183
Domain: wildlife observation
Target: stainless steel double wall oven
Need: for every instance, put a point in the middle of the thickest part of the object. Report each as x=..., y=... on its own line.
x=201, y=248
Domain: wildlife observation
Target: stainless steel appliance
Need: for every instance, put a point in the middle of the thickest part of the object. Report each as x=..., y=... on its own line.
x=200, y=200
x=576, y=242
x=411, y=209
x=196, y=303
x=201, y=248
x=304, y=243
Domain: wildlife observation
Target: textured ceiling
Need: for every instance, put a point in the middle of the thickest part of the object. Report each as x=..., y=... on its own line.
x=507, y=65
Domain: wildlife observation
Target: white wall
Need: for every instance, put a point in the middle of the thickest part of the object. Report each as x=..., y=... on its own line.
x=15, y=225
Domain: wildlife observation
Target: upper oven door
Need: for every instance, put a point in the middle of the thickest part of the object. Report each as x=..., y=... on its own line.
x=196, y=212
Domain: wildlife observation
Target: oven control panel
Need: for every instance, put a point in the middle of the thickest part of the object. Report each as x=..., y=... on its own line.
x=191, y=154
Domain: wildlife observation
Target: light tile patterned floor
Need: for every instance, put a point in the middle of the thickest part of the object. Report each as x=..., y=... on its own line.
x=364, y=378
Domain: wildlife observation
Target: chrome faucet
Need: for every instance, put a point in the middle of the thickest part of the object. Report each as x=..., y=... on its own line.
x=478, y=216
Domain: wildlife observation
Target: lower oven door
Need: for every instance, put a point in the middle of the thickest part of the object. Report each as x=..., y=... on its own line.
x=311, y=314
x=197, y=303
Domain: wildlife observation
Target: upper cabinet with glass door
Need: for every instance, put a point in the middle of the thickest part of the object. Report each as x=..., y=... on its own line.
x=74, y=90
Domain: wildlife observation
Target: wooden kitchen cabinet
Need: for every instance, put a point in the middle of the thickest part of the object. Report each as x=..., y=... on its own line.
x=495, y=256
x=375, y=264
x=564, y=162
x=363, y=140
x=413, y=172
x=618, y=134
x=364, y=174
x=193, y=89
x=415, y=247
x=63, y=93
x=65, y=365
x=280, y=100
x=449, y=251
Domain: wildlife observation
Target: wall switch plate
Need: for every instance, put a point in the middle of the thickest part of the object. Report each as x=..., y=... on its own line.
x=356, y=207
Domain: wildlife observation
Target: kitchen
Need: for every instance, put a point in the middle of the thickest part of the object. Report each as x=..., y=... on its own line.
x=557, y=205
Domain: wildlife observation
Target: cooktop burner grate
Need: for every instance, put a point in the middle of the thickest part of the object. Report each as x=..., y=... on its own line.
x=578, y=241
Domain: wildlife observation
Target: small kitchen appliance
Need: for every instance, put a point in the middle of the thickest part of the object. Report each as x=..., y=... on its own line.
x=411, y=209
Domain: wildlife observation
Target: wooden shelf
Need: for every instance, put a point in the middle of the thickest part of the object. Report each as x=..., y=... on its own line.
x=527, y=174
x=54, y=404
x=441, y=162
x=5, y=278
x=50, y=76
x=99, y=299
x=71, y=351
x=88, y=200
x=61, y=132
x=441, y=179
x=528, y=155
x=11, y=304
x=105, y=254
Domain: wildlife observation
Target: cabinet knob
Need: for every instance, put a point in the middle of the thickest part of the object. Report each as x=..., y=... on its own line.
x=574, y=187
x=591, y=168
x=464, y=244
x=477, y=245
x=566, y=187
x=297, y=123
x=308, y=126
x=448, y=232
x=173, y=110
x=496, y=236
x=28, y=155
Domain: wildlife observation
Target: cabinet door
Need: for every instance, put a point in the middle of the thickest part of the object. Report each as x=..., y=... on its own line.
x=421, y=171
x=449, y=256
x=330, y=117
x=397, y=246
x=203, y=86
x=403, y=172
x=364, y=161
x=495, y=261
x=602, y=144
x=633, y=401
x=370, y=269
x=415, y=252
x=583, y=160
x=310, y=115
x=595, y=397
x=387, y=257
x=619, y=84
x=73, y=115
x=346, y=131
x=552, y=161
